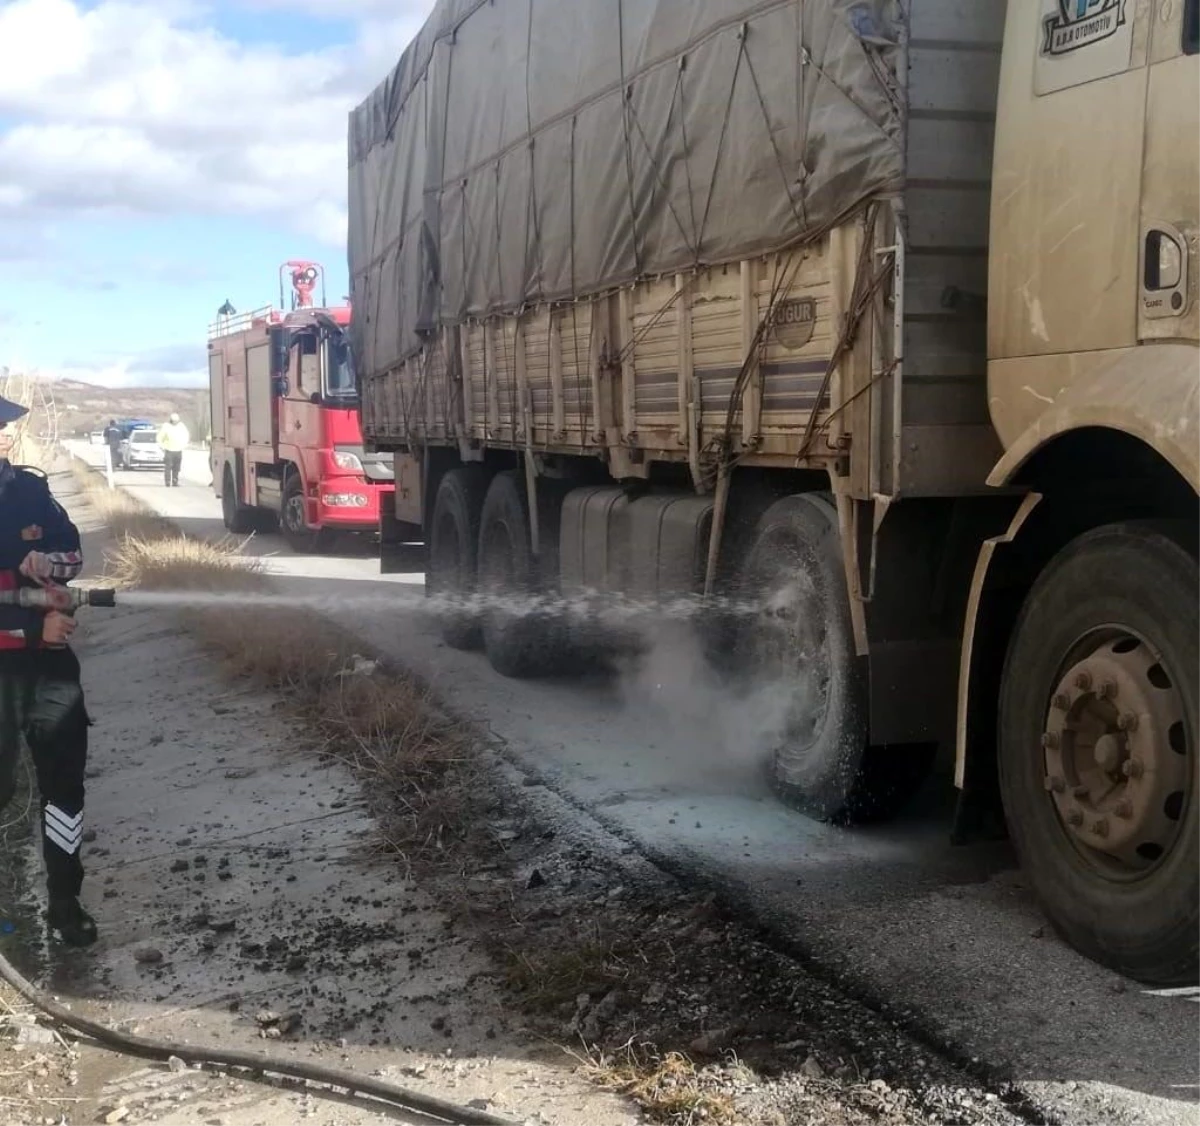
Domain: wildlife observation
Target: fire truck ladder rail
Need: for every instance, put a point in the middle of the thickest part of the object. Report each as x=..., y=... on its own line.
x=239, y=322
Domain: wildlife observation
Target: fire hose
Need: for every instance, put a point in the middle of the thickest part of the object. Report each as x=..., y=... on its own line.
x=66, y=600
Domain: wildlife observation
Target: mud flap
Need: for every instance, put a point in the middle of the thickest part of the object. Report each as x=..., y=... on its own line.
x=400, y=549
x=978, y=817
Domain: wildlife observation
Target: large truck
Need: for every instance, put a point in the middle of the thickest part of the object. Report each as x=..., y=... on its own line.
x=286, y=443
x=882, y=314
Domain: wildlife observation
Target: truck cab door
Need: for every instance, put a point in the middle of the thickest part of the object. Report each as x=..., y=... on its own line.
x=1170, y=213
x=1064, y=283
x=1067, y=181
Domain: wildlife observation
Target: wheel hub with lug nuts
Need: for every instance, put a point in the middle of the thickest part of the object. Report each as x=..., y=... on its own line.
x=1115, y=753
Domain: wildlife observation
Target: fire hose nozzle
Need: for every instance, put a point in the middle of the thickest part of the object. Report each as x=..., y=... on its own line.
x=60, y=598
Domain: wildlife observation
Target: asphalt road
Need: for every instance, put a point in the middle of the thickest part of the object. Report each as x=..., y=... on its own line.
x=194, y=505
x=947, y=938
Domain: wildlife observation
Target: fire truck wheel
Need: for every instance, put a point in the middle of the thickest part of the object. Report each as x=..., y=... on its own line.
x=292, y=523
x=798, y=652
x=522, y=629
x=237, y=517
x=453, y=543
x=1098, y=747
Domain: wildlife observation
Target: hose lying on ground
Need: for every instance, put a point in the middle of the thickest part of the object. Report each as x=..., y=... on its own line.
x=145, y=1048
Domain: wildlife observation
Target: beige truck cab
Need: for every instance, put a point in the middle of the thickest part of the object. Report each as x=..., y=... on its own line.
x=1082, y=618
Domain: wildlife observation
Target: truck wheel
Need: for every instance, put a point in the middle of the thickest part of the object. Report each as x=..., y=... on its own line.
x=798, y=654
x=237, y=517
x=522, y=639
x=1098, y=762
x=453, y=544
x=292, y=523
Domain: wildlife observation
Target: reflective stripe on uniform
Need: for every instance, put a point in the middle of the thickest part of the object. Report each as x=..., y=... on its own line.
x=63, y=829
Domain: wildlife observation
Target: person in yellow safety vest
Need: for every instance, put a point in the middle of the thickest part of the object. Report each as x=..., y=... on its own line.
x=173, y=437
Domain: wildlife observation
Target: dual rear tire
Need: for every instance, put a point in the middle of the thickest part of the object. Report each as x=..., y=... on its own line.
x=797, y=654
x=237, y=518
x=491, y=591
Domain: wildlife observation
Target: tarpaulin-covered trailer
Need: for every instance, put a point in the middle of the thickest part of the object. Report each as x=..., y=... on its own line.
x=646, y=229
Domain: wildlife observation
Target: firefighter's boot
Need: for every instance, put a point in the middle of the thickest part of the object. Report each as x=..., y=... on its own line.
x=73, y=923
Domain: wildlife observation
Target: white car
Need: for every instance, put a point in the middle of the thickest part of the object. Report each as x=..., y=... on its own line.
x=140, y=450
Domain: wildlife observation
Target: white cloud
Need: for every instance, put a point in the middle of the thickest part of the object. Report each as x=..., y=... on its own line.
x=132, y=107
x=411, y=10
x=161, y=367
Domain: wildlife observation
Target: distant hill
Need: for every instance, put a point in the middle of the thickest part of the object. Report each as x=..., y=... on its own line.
x=83, y=407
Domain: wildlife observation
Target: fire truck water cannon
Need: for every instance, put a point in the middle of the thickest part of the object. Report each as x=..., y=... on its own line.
x=304, y=277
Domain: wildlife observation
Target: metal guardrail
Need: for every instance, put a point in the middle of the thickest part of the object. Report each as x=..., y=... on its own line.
x=239, y=322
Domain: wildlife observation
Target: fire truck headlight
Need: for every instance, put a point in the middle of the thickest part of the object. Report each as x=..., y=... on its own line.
x=343, y=459
x=344, y=500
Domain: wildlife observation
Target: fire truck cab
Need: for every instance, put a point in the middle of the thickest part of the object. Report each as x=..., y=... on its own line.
x=286, y=443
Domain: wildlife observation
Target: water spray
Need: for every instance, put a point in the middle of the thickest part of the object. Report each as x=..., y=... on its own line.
x=584, y=608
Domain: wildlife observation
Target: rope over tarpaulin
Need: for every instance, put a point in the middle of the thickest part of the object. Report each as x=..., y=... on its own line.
x=525, y=151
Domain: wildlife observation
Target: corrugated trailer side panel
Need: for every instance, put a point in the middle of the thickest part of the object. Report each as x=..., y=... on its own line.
x=678, y=341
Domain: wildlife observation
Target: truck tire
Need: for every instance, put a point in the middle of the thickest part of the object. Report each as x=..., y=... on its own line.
x=802, y=644
x=453, y=547
x=1098, y=758
x=521, y=639
x=237, y=518
x=299, y=536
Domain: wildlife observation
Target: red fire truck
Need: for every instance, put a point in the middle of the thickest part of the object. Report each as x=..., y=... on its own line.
x=286, y=443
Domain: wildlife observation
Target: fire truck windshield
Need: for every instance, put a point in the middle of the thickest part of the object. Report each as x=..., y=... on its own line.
x=339, y=368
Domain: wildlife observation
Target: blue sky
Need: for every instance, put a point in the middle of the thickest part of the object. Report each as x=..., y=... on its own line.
x=145, y=178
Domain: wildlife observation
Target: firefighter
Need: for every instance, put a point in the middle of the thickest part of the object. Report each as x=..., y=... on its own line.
x=41, y=699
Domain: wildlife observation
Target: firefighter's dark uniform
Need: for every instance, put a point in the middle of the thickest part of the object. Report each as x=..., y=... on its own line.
x=41, y=699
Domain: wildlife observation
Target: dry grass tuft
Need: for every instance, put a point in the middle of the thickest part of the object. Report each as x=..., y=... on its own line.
x=416, y=760
x=592, y=963
x=668, y=1087
x=180, y=563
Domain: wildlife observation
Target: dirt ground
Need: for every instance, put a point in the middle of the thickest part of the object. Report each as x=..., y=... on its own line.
x=530, y=963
